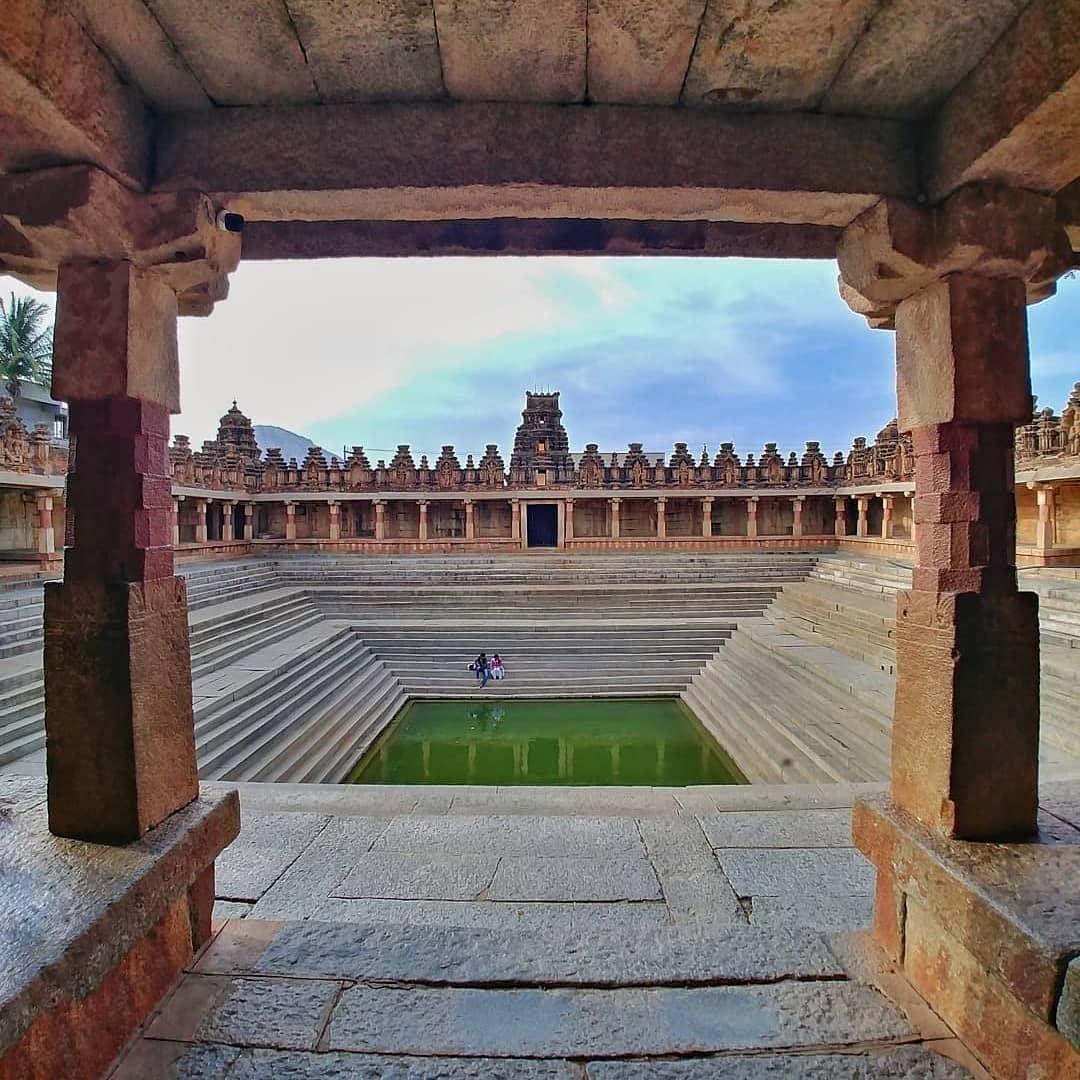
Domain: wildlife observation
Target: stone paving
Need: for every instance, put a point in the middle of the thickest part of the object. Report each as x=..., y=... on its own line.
x=596, y=934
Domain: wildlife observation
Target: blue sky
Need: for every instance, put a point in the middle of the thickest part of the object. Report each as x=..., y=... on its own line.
x=378, y=352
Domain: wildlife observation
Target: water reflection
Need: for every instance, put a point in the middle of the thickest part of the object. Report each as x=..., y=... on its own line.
x=631, y=742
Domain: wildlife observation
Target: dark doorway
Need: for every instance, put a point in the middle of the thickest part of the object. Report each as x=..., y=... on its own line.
x=543, y=526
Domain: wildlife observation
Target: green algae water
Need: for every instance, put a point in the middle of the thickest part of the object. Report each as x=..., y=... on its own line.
x=588, y=741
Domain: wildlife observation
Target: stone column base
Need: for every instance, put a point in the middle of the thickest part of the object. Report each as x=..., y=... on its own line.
x=112, y=930
x=984, y=932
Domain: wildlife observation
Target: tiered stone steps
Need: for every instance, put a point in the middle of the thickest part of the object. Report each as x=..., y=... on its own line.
x=20, y=620
x=307, y=720
x=22, y=713
x=607, y=660
x=212, y=583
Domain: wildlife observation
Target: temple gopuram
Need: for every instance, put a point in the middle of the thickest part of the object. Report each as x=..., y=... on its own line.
x=229, y=493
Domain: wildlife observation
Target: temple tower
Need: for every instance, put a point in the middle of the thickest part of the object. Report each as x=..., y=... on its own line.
x=235, y=433
x=541, y=444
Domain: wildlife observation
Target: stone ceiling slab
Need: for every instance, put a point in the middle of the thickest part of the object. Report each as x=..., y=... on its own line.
x=760, y=54
x=639, y=50
x=243, y=52
x=513, y=50
x=370, y=50
x=140, y=51
x=913, y=53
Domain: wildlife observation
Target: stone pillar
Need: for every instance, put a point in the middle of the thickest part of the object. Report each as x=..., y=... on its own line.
x=118, y=716
x=863, y=504
x=335, y=519
x=515, y=519
x=422, y=506
x=523, y=524
x=249, y=521
x=569, y=528
x=661, y=517
x=966, y=726
x=840, y=524
x=1046, y=527
x=706, y=516
x=796, y=514
x=886, y=517
x=911, y=528
x=751, y=515
x=46, y=538
x=616, y=505
x=176, y=520
x=200, y=521
x=227, y=521
x=290, y=521
x=380, y=519
x=470, y=520
x=560, y=523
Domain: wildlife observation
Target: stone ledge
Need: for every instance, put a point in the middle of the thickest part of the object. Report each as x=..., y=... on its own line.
x=71, y=912
x=1014, y=907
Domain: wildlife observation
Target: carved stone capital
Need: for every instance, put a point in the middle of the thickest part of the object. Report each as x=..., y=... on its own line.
x=79, y=212
x=895, y=249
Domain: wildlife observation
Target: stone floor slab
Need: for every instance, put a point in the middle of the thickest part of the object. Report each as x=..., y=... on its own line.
x=267, y=846
x=902, y=1063
x=286, y=1065
x=813, y=912
x=395, y=875
x=794, y=872
x=578, y=1023
x=574, y=879
x=512, y=835
x=154, y=1059
x=695, y=888
x=231, y=909
x=556, y=955
x=779, y=829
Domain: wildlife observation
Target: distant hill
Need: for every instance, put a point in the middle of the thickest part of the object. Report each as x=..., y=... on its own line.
x=288, y=442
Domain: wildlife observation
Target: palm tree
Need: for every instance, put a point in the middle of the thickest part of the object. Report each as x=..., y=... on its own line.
x=26, y=343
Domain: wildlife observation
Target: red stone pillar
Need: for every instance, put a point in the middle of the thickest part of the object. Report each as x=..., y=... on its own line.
x=966, y=726
x=249, y=521
x=706, y=516
x=751, y=515
x=840, y=521
x=796, y=514
x=227, y=530
x=46, y=538
x=661, y=518
x=177, y=500
x=616, y=510
x=886, y=517
x=862, y=502
x=569, y=528
x=290, y=521
x=118, y=718
x=1046, y=527
x=380, y=520
x=470, y=520
x=515, y=520
x=422, y=530
x=200, y=521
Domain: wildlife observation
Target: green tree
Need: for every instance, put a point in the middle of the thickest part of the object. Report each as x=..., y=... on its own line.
x=26, y=342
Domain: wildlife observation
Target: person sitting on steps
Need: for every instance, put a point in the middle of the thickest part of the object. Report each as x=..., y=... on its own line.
x=497, y=669
x=483, y=670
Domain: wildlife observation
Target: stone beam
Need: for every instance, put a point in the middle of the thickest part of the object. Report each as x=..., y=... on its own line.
x=437, y=161
x=1015, y=119
x=61, y=100
x=534, y=236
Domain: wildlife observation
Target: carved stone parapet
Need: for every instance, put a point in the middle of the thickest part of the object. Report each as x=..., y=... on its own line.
x=895, y=248
x=78, y=212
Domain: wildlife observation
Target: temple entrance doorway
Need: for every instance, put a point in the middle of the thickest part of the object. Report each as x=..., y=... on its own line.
x=542, y=526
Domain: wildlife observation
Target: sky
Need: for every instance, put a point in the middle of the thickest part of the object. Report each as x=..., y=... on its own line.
x=376, y=352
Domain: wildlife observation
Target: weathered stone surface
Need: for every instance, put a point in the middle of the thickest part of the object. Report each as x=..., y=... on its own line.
x=359, y=51
x=761, y=56
x=394, y=875
x=260, y=1064
x=574, y=879
x=267, y=846
x=827, y=913
x=20, y=793
x=885, y=76
x=150, y=1059
x=360, y=162
x=695, y=889
x=71, y=912
x=250, y=56
x=271, y=1012
x=584, y=1022
x=531, y=50
x=794, y=872
x=1067, y=1014
x=558, y=954
x=639, y=50
x=230, y=909
x=501, y=835
x=779, y=829
x=903, y=1063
